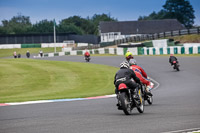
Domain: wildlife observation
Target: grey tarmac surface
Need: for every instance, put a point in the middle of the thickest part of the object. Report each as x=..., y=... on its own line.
x=176, y=104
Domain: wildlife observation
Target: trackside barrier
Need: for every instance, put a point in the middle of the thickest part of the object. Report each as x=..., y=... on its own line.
x=186, y=49
x=135, y=51
x=10, y=46
x=172, y=50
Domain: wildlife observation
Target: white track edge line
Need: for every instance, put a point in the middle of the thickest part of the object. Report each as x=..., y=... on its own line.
x=158, y=84
x=184, y=130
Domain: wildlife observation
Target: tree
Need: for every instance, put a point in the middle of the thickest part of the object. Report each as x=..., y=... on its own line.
x=181, y=10
x=17, y=25
x=174, y=9
x=160, y=15
x=100, y=17
x=70, y=28
x=84, y=24
x=75, y=24
x=43, y=26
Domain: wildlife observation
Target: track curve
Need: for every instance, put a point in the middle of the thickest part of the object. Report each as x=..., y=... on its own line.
x=176, y=104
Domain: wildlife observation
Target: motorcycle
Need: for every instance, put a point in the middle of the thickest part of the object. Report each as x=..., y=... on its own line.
x=147, y=94
x=176, y=65
x=87, y=58
x=127, y=99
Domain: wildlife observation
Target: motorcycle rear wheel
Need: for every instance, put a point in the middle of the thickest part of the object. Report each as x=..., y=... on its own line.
x=125, y=103
x=176, y=67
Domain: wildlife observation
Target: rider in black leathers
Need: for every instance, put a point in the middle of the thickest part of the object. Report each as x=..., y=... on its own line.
x=172, y=58
x=125, y=75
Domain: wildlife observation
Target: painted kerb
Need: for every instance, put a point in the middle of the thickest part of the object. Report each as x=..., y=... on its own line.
x=135, y=51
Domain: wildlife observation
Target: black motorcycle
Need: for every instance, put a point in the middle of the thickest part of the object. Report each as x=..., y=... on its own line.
x=176, y=65
x=87, y=58
x=128, y=99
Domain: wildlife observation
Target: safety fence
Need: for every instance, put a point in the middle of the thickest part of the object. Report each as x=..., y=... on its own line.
x=135, y=51
x=47, y=38
x=144, y=37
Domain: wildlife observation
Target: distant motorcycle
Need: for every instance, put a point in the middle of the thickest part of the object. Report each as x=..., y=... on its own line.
x=128, y=99
x=87, y=58
x=176, y=65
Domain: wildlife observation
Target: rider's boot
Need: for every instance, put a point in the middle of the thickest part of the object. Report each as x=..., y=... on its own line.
x=148, y=92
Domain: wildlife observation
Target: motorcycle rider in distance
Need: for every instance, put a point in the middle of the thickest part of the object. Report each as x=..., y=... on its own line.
x=172, y=58
x=126, y=75
x=141, y=74
x=27, y=54
x=86, y=54
x=128, y=56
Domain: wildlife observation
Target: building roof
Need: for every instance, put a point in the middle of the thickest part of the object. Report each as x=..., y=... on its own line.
x=140, y=27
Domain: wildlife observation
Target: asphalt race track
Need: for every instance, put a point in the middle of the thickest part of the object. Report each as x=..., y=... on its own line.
x=176, y=104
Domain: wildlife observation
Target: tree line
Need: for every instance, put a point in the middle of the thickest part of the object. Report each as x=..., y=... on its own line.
x=172, y=9
x=77, y=25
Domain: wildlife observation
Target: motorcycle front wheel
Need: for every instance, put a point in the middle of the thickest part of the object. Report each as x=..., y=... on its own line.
x=177, y=68
x=150, y=100
x=125, y=103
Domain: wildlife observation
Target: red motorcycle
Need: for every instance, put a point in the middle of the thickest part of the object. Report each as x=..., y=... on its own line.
x=128, y=99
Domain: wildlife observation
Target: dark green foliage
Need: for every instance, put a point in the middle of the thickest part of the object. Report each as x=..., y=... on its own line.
x=181, y=10
x=17, y=25
x=174, y=9
x=97, y=18
x=21, y=25
x=43, y=26
x=70, y=28
x=76, y=24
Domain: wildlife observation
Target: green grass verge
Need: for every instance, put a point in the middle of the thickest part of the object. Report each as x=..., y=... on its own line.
x=22, y=51
x=27, y=80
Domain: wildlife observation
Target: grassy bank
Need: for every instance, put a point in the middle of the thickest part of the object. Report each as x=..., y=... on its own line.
x=27, y=80
x=187, y=38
